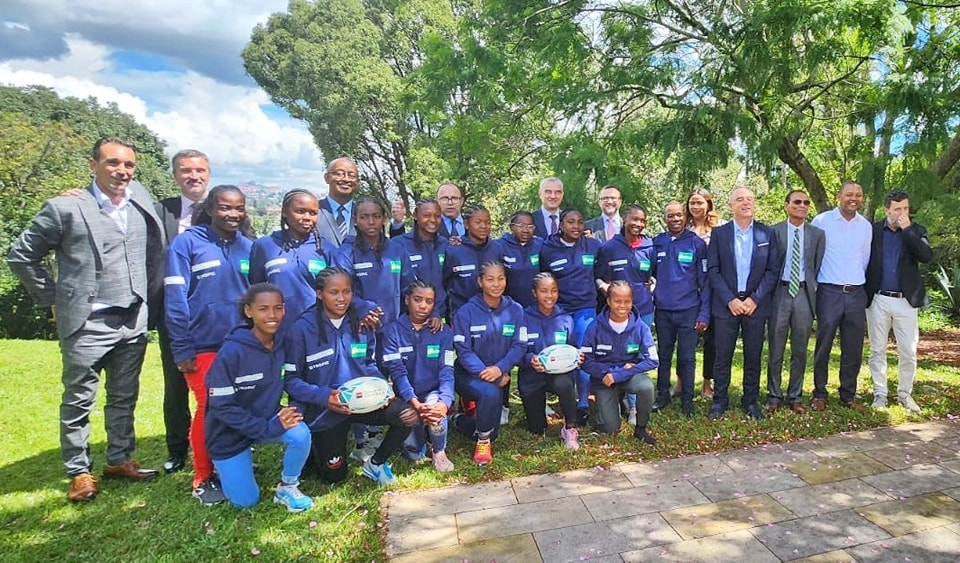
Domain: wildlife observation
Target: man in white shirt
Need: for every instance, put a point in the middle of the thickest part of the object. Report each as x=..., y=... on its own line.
x=547, y=220
x=608, y=224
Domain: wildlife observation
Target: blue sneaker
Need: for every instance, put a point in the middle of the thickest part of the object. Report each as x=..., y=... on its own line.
x=291, y=497
x=382, y=474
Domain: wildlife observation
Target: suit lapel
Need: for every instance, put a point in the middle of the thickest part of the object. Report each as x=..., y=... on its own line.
x=91, y=213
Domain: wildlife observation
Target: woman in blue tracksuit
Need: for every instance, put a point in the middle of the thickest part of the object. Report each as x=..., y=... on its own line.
x=206, y=277
x=463, y=261
x=618, y=352
x=323, y=351
x=424, y=251
x=521, y=257
x=547, y=325
x=571, y=258
x=292, y=256
x=420, y=363
x=490, y=339
x=246, y=383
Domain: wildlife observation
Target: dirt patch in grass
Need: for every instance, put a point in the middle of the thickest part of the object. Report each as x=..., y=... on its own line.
x=941, y=346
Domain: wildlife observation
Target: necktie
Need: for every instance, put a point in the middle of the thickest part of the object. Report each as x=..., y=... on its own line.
x=341, y=224
x=610, y=231
x=457, y=228
x=553, y=224
x=794, y=287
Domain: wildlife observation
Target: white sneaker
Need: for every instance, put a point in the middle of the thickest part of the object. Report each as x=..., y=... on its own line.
x=382, y=474
x=442, y=463
x=879, y=401
x=504, y=416
x=907, y=402
x=570, y=438
x=291, y=497
x=632, y=417
x=548, y=412
x=363, y=452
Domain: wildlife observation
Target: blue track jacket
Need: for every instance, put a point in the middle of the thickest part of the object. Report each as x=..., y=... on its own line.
x=423, y=259
x=462, y=267
x=618, y=261
x=605, y=351
x=680, y=266
x=418, y=361
x=376, y=275
x=574, y=267
x=484, y=337
x=522, y=264
x=542, y=331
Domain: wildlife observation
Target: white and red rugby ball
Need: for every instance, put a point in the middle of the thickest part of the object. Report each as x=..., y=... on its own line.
x=559, y=358
x=365, y=394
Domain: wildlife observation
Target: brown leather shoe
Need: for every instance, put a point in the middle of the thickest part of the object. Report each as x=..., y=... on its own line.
x=130, y=470
x=772, y=407
x=798, y=408
x=819, y=405
x=857, y=407
x=83, y=488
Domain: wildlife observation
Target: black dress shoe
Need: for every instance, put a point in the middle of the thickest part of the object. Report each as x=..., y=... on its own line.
x=660, y=404
x=687, y=409
x=716, y=412
x=174, y=464
x=754, y=412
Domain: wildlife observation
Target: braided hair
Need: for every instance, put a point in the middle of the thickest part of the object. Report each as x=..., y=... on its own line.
x=203, y=215
x=321, y=281
x=288, y=242
x=469, y=211
x=421, y=203
x=540, y=278
x=417, y=284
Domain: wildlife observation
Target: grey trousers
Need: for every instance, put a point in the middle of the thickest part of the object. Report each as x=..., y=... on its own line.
x=788, y=315
x=608, y=401
x=114, y=344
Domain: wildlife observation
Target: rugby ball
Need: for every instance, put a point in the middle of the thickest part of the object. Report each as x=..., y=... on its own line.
x=559, y=358
x=365, y=394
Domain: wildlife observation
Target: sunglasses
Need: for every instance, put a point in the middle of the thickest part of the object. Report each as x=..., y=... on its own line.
x=801, y=202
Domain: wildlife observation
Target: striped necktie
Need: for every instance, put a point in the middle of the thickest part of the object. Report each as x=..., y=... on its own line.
x=553, y=224
x=341, y=224
x=794, y=286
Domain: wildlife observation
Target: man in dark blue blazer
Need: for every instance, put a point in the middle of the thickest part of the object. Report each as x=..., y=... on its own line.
x=742, y=266
x=546, y=220
x=335, y=222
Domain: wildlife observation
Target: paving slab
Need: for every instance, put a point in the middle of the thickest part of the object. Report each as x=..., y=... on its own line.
x=939, y=545
x=588, y=541
x=954, y=527
x=703, y=520
x=931, y=430
x=671, y=470
x=829, y=497
x=772, y=455
x=642, y=500
x=838, y=556
x=818, y=534
x=914, y=481
x=907, y=454
x=569, y=483
x=732, y=546
x=521, y=518
x=901, y=517
x=952, y=465
x=450, y=500
x=510, y=549
x=838, y=468
x=953, y=493
x=851, y=442
x=411, y=534
x=748, y=482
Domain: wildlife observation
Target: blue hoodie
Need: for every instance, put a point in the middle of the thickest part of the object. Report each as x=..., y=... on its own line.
x=574, y=267
x=462, y=267
x=522, y=263
x=293, y=271
x=542, y=331
x=418, y=361
x=205, y=280
x=245, y=384
x=605, y=351
x=618, y=261
x=680, y=266
x=376, y=275
x=423, y=259
x=485, y=337
x=320, y=358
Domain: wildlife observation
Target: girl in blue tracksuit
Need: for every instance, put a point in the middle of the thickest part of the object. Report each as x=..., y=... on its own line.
x=571, y=258
x=420, y=363
x=323, y=351
x=246, y=383
x=547, y=325
x=206, y=277
x=463, y=261
x=521, y=257
x=424, y=251
x=618, y=350
x=292, y=256
x=490, y=339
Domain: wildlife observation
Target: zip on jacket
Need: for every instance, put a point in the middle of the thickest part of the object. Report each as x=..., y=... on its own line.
x=575, y=270
x=376, y=274
x=462, y=267
x=419, y=362
x=423, y=260
x=680, y=266
x=484, y=337
x=542, y=331
x=606, y=351
x=617, y=260
x=522, y=263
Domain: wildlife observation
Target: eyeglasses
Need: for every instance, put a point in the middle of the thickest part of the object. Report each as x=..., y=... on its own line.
x=341, y=174
x=801, y=202
x=520, y=227
x=450, y=198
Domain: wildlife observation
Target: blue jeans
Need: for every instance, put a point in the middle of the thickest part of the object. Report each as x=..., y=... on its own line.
x=581, y=320
x=415, y=446
x=676, y=327
x=236, y=473
x=489, y=398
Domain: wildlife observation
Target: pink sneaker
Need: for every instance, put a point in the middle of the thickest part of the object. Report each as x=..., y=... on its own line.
x=570, y=438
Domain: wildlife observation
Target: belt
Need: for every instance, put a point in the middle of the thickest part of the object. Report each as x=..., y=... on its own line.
x=894, y=294
x=786, y=283
x=843, y=288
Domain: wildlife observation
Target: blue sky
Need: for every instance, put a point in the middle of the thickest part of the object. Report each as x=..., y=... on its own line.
x=175, y=66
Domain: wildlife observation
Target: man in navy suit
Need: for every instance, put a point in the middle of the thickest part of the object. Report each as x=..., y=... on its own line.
x=742, y=266
x=450, y=199
x=336, y=210
x=546, y=221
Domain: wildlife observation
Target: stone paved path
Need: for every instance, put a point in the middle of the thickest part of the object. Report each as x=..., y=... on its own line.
x=889, y=494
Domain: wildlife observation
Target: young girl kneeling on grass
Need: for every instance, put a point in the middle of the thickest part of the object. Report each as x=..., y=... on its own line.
x=420, y=363
x=547, y=324
x=618, y=350
x=325, y=350
x=245, y=387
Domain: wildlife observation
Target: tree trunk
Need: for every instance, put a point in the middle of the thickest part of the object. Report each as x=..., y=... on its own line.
x=948, y=159
x=789, y=152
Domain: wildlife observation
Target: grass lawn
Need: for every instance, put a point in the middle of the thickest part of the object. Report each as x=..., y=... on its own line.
x=160, y=521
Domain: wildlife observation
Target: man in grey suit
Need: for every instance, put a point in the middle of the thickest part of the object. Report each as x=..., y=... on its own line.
x=794, y=300
x=335, y=222
x=604, y=227
x=108, y=245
